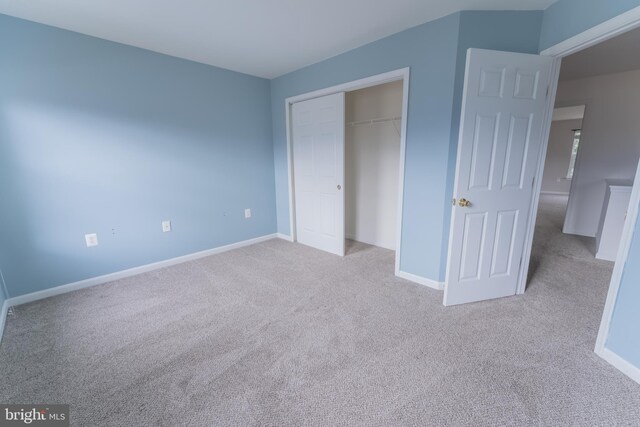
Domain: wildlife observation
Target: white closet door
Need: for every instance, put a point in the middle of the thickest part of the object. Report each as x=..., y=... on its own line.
x=505, y=98
x=318, y=170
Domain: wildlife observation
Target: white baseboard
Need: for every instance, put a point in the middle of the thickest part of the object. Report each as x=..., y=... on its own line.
x=439, y=286
x=555, y=193
x=575, y=232
x=284, y=237
x=606, y=256
x=3, y=317
x=620, y=364
x=63, y=289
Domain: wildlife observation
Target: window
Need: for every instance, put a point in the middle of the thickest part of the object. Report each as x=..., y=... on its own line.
x=574, y=152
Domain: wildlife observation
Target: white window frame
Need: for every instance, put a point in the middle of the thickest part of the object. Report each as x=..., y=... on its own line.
x=575, y=146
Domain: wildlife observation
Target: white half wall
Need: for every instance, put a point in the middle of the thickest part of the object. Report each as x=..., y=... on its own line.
x=372, y=164
x=556, y=164
x=610, y=142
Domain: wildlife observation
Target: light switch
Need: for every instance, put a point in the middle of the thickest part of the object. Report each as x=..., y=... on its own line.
x=166, y=226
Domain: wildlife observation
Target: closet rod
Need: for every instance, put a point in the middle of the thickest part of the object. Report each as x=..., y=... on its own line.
x=370, y=122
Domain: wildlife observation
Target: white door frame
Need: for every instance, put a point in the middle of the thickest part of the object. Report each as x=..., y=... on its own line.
x=391, y=76
x=618, y=25
x=577, y=168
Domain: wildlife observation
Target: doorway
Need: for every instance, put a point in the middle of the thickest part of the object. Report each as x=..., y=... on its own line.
x=626, y=163
x=604, y=195
x=373, y=210
x=564, y=139
x=372, y=164
x=562, y=150
x=486, y=225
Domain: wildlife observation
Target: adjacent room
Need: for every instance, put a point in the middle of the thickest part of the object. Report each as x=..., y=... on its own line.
x=424, y=215
x=591, y=162
x=592, y=153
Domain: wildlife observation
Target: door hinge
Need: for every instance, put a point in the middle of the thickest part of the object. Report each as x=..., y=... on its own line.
x=547, y=95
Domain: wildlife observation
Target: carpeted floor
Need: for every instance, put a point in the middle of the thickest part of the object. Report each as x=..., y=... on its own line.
x=282, y=334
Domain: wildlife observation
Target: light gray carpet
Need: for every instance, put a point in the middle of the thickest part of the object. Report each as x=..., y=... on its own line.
x=281, y=334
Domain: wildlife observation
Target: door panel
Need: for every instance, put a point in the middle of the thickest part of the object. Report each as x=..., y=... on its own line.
x=505, y=98
x=503, y=245
x=318, y=170
x=517, y=145
x=484, y=143
x=474, y=230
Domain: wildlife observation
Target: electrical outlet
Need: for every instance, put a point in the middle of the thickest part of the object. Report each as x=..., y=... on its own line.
x=166, y=226
x=91, y=239
x=247, y=213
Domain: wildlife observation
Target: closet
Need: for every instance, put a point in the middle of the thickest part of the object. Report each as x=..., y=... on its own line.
x=372, y=163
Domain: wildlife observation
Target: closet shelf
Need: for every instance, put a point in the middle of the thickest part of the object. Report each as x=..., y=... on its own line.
x=374, y=121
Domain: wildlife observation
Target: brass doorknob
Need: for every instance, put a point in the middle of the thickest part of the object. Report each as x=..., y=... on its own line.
x=464, y=203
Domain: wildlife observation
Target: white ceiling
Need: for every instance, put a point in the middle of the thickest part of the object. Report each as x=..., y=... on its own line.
x=266, y=38
x=615, y=55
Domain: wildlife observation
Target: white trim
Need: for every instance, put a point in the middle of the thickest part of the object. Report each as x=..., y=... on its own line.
x=376, y=80
x=292, y=216
x=618, y=268
x=63, y=289
x=284, y=237
x=619, y=363
x=601, y=32
x=569, y=226
x=391, y=76
x=555, y=193
x=3, y=317
x=620, y=188
x=403, y=150
x=438, y=286
x=576, y=232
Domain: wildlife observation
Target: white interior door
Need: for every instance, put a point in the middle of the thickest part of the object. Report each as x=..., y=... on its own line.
x=501, y=127
x=318, y=170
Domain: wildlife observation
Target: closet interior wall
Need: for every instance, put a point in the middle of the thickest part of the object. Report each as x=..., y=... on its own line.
x=372, y=163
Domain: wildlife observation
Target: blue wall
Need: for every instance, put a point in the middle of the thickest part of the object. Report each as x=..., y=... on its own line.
x=3, y=295
x=96, y=136
x=433, y=53
x=624, y=331
x=566, y=18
